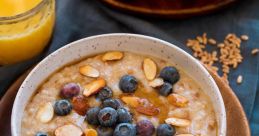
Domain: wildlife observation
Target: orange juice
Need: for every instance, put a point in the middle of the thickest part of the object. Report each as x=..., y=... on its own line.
x=25, y=28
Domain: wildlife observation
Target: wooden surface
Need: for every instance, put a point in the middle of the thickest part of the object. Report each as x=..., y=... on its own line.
x=237, y=124
x=169, y=8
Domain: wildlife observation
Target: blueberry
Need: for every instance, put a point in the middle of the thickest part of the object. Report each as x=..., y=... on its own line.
x=125, y=129
x=62, y=107
x=41, y=134
x=104, y=131
x=92, y=116
x=128, y=84
x=105, y=93
x=70, y=90
x=145, y=128
x=170, y=74
x=107, y=117
x=166, y=89
x=113, y=103
x=124, y=116
x=165, y=130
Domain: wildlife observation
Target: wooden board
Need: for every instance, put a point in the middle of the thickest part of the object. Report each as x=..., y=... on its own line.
x=169, y=8
x=237, y=124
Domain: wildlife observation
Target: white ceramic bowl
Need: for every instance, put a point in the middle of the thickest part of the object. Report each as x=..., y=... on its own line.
x=123, y=42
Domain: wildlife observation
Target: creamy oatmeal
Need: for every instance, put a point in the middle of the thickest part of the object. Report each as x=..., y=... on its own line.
x=145, y=94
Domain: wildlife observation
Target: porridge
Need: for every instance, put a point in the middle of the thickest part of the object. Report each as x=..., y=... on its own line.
x=119, y=94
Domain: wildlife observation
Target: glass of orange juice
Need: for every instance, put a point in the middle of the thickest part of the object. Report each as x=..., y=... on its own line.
x=25, y=28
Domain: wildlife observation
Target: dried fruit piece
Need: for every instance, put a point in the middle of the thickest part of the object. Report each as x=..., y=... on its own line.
x=177, y=100
x=131, y=101
x=89, y=71
x=113, y=55
x=149, y=110
x=185, y=135
x=80, y=104
x=45, y=113
x=93, y=87
x=150, y=68
x=178, y=122
x=157, y=82
x=68, y=130
x=90, y=132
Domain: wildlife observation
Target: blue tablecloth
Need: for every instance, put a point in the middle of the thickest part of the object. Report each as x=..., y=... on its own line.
x=81, y=18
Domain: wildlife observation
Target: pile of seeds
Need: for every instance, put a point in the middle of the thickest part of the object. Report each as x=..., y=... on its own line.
x=229, y=52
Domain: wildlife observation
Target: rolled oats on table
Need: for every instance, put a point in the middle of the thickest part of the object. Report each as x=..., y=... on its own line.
x=229, y=55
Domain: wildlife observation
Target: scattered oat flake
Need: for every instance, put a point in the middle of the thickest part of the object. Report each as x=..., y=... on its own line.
x=239, y=79
x=255, y=51
x=244, y=37
x=212, y=41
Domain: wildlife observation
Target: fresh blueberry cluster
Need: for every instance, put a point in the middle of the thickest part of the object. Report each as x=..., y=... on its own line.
x=170, y=75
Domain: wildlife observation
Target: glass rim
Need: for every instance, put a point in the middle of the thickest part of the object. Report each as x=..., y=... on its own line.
x=24, y=15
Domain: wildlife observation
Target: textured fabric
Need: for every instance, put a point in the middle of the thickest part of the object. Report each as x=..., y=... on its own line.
x=82, y=18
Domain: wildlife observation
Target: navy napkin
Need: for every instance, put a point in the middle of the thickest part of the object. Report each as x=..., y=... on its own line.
x=82, y=18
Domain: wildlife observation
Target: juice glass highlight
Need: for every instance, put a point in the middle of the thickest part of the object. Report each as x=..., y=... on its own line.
x=25, y=28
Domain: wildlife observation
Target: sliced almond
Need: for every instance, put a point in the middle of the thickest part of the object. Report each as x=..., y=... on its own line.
x=149, y=110
x=68, y=130
x=45, y=113
x=178, y=122
x=93, y=87
x=150, y=68
x=157, y=82
x=185, y=135
x=177, y=100
x=132, y=101
x=90, y=132
x=89, y=71
x=113, y=55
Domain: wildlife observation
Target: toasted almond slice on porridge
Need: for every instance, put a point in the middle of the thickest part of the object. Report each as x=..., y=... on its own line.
x=184, y=135
x=149, y=110
x=150, y=68
x=177, y=100
x=113, y=55
x=90, y=132
x=68, y=130
x=93, y=87
x=132, y=101
x=178, y=122
x=45, y=113
x=89, y=71
x=157, y=82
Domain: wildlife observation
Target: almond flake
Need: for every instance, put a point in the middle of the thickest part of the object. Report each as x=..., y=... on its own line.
x=177, y=100
x=68, y=130
x=178, y=122
x=113, y=55
x=150, y=68
x=90, y=132
x=94, y=87
x=89, y=71
x=148, y=110
x=131, y=101
x=45, y=113
x=157, y=82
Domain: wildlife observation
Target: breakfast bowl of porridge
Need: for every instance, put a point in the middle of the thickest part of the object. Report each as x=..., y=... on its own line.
x=119, y=85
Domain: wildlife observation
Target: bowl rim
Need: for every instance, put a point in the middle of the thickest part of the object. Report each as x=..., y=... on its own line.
x=222, y=130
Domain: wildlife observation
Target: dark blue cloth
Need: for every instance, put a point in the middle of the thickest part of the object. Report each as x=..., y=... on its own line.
x=81, y=18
